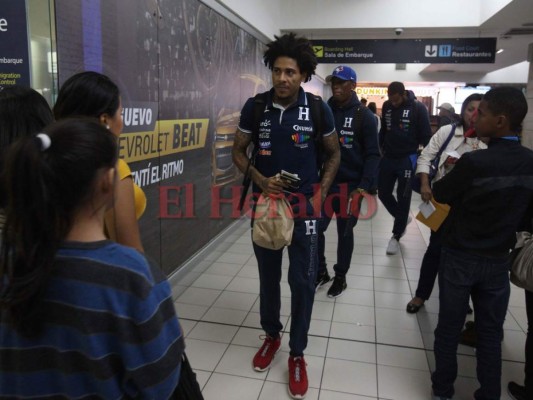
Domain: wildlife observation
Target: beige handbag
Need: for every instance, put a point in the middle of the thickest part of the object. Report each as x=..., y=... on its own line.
x=273, y=222
x=522, y=266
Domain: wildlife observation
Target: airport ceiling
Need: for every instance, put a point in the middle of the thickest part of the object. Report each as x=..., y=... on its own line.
x=512, y=26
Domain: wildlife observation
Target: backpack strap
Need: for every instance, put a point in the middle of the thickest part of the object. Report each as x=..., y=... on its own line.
x=358, y=124
x=260, y=101
x=317, y=116
x=414, y=111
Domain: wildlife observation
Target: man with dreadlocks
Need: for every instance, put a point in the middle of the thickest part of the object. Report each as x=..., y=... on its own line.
x=288, y=139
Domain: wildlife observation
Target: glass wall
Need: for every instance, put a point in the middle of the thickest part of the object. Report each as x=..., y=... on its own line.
x=41, y=33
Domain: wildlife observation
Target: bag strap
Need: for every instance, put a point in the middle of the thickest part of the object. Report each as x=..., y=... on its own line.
x=260, y=100
x=358, y=119
x=317, y=116
x=317, y=113
x=446, y=142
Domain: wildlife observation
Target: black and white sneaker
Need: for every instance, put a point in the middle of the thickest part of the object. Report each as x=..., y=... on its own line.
x=338, y=286
x=322, y=279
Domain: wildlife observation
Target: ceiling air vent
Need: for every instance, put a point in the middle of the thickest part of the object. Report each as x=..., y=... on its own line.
x=519, y=31
x=401, y=67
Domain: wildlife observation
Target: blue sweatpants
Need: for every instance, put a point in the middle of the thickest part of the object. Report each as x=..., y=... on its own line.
x=303, y=262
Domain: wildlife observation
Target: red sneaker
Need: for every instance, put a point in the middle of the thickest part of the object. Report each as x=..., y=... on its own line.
x=298, y=382
x=266, y=353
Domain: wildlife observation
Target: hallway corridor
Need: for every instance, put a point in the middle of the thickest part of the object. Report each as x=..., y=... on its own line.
x=362, y=345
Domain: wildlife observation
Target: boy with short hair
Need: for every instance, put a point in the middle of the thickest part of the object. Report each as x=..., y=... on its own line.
x=491, y=197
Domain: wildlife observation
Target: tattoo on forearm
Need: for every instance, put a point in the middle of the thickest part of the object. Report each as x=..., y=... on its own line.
x=331, y=165
x=240, y=144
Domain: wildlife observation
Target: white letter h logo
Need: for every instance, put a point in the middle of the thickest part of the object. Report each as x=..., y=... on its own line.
x=304, y=114
x=310, y=227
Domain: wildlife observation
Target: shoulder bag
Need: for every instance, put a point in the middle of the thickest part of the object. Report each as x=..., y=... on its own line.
x=522, y=261
x=434, y=165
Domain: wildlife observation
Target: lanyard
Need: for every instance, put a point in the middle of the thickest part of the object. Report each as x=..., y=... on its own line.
x=513, y=138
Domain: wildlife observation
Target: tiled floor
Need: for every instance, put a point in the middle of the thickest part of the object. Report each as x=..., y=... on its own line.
x=362, y=345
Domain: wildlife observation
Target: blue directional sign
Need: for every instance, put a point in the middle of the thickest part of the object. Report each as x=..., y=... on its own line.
x=442, y=51
x=14, y=49
x=445, y=50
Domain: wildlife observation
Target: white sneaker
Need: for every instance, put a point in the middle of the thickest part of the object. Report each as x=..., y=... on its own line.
x=393, y=246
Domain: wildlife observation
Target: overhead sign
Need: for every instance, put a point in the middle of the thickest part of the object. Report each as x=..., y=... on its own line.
x=14, y=56
x=412, y=51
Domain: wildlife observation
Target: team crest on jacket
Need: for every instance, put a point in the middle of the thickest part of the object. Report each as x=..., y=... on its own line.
x=301, y=140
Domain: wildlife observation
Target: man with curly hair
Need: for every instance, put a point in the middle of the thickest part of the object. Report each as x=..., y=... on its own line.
x=288, y=139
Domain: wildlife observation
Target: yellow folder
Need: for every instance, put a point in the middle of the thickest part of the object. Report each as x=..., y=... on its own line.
x=436, y=219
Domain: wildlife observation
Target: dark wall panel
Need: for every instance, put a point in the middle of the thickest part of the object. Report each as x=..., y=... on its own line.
x=184, y=72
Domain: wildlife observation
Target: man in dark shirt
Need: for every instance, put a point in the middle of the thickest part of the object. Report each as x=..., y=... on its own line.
x=405, y=126
x=356, y=128
x=491, y=197
x=286, y=142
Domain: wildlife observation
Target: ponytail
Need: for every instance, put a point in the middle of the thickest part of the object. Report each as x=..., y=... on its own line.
x=47, y=177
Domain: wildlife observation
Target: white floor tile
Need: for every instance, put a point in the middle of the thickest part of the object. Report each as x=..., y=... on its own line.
x=390, y=273
x=391, y=285
x=225, y=316
x=514, y=343
x=316, y=346
x=237, y=360
x=388, y=261
x=221, y=386
x=233, y=258
x=236, y=300
x=213, y=332
x=403, y=384
x=248, y=337
x=320, y=327
x=341, y=330
x=354, y=314
x=204, y=355
x=279, y=391
x=190, y=311
x=357, y=297
x=360, y=282
x=245, y=285
x=252, y=320
x=362, y=345
x=323, y=310
x=187, y=325
x=394, y=356
x=199, y=296
x=350, y=377
x=224, y=269
x=212, y=281
x=395, y=319
x=249, y=271
x=396, y=301
x=361, y=269
x=352, y=351
x=400, y=337
x=330, y=395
